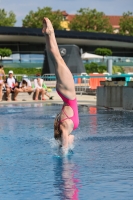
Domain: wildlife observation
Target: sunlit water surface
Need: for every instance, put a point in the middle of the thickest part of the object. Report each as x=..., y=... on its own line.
x=100, y=166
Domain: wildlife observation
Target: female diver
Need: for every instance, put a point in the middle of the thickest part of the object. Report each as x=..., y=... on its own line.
x=67, y=120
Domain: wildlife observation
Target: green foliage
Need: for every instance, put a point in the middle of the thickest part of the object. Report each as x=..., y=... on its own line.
x=7, y=19
x=26, y=71
x=93, y=67
x=116, y=69
x=5, y=52
x=126, y=24
x=35, y=19
x=103, y=52
x=90, y=20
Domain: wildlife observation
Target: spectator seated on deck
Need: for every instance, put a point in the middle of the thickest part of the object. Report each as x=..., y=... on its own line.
x=25, y=85
x=11, y=85
x=40, y=88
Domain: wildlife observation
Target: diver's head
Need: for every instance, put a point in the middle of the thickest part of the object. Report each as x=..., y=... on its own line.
x=57, y=131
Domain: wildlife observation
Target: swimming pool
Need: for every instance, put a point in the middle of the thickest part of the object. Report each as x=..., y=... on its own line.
x=100, y=166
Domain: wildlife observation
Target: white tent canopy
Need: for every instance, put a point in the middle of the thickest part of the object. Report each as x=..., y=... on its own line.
x=87, y=56
x=6, y=58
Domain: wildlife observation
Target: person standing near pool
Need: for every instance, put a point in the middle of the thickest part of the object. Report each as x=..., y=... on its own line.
x=2, y=79
x=67, y=120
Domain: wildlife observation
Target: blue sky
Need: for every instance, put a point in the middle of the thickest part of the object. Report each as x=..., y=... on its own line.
x=109, y=7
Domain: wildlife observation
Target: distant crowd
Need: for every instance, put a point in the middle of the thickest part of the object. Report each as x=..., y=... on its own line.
x=10, y=84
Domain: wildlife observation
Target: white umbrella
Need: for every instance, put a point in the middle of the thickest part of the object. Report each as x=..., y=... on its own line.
x=6, y=58
x=87, y=56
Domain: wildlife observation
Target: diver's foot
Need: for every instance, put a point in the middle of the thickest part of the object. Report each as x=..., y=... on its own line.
x=47, y=27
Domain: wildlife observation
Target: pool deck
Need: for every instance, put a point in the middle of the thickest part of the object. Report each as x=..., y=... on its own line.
x=89, y=100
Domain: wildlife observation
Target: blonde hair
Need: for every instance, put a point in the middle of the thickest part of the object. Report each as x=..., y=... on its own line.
x=57, y=131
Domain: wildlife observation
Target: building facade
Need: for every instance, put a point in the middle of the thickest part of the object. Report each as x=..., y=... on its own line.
x=28, y=44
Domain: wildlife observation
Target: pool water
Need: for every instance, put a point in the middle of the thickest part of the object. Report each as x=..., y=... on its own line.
x=100, y=166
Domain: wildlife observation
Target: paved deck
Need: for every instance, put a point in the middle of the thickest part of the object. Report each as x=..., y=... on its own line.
x=89, y=100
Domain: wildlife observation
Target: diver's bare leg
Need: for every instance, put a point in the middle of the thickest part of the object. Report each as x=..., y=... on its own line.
x=65, y=82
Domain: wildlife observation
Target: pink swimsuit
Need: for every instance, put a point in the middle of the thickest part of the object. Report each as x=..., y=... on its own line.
x=73, y=105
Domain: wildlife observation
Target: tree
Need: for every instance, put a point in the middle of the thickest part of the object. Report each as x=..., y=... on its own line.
x=90, y=20
x=93, y=67
x=126, y=24
x=117, y=69
x=5, y=52
x=34, y=19
x=103, y=52
x=7, y=19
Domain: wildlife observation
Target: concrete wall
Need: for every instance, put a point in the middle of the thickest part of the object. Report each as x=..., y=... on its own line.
x=128, y=98
x=111, y=96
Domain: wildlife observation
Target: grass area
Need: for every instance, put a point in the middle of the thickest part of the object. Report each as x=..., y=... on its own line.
x=23, y=71
x=27, y=71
